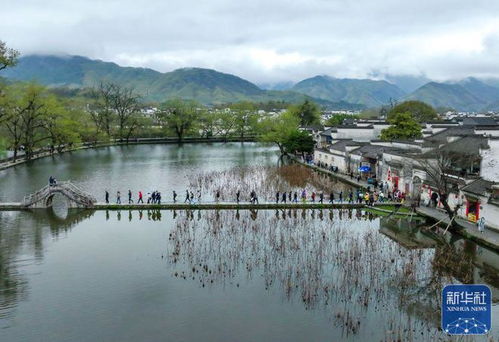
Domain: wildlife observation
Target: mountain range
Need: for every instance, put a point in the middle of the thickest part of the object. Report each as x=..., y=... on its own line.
x=212, y=87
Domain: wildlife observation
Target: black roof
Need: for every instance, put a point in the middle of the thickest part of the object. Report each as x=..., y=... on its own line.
x=479, y=187
x=479, y=121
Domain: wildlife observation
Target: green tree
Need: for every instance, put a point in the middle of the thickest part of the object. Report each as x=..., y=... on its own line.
x=418, y=110
x=308, y=112
x=245, y=114
x=299, y=142
x=8, y=56
x=403, y=126
x=277, y=129
x=338, y=119
x=179, y=116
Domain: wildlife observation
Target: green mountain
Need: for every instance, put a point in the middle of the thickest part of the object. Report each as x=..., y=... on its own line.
x=469, y=94
x=366, y=92
x=204, y=85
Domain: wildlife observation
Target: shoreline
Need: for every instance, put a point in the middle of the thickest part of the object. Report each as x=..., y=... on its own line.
x=6, y=164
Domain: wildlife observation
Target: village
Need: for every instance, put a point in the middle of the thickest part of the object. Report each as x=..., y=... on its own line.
x=457, y=158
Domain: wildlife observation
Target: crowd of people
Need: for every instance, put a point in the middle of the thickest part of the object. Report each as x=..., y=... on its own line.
x=368, y=197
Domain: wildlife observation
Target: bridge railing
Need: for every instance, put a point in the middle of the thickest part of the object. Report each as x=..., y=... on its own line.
x=67, y=188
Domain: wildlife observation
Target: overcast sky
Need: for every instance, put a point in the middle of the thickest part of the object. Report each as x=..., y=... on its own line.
x=267, y=41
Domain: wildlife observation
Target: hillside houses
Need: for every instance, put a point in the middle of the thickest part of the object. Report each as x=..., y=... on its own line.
x=472, y=169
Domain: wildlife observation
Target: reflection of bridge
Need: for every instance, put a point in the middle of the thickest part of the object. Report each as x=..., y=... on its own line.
x=76, y=197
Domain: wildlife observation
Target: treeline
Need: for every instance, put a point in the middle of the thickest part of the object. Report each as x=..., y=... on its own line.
x=34, y=118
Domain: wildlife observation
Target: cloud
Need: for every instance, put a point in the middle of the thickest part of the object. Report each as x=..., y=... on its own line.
x=266, y=41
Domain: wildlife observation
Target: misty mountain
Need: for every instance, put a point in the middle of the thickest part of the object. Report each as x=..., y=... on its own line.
x=204, y=85
x=366, y=92
x=469, y=94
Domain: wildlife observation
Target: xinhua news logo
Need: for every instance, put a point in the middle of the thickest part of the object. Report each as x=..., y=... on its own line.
x=466, y=309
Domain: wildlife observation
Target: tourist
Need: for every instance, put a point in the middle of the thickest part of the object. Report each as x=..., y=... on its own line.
x=331, y=197
x=313, y=196
x=158, y=197
x=283, y=197
x=434, y=199
x=289, y=196
x=321, y=197
x=199, y=195
x=191, y=200
x=174, y=197
x=341, y=196
x=238, y=194
x=481, y=224
x=118, y=198
x=140, y=198
x=187, y=196
x=304, y=196
x=217, y=196
x=295, y=197
x=350, y=197
x=277, y=197
x=130, y=197
x=107, y=197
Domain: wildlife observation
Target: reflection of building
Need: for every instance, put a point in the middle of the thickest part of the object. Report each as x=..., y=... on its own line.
x=410, y=237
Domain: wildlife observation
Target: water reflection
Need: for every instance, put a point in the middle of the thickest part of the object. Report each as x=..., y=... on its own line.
x=361, y=271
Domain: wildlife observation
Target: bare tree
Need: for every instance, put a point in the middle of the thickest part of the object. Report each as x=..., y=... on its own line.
x=116, y=103
x=444, y=172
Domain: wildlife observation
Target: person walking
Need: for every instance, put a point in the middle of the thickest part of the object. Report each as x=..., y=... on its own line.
x=140, y=200
x=290, y=197
x=187, y=196
x=313, y=196
x=107, y=197
x=304, y=196
x=118, y=198
x=284, y=196
x=277, y=195
x=217, y=196
x=130, y=197
x=199, y=195
x=238, y=194
x=174, y=197
x=350, y=197
x=158, y=197
x=341, y=196
x=295, y=197
x=321, y=197
x=331, y=197
x=481, y=224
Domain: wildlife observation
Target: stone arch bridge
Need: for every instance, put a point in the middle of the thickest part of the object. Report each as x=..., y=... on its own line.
x=76, y=197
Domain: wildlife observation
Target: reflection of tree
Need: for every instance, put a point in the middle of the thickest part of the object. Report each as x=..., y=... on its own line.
x=25, y=233
x=342, y=265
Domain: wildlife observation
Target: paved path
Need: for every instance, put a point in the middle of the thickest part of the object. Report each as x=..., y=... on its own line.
x=214, y=205
x=345, y=178
x=489, y=238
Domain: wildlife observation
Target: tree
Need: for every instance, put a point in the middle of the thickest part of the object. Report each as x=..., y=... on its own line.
x=439, y=166
x=299, y=142
x=403, y=126
x=419, y=111
x=179, y=116
x=308, y=112
x=338, y=119
x=119, y=103
x=8, y=56
x=245, y=117
x=277, y=129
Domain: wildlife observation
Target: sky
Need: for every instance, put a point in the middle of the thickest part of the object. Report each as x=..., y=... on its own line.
x=267, y=41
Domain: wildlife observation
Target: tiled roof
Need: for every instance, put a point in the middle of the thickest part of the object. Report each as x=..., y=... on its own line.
x=479, y=187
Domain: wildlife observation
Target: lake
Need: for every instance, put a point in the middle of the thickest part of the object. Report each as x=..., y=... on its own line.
x=247, y=275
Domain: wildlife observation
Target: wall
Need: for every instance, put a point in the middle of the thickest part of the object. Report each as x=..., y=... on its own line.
x=489, y=167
